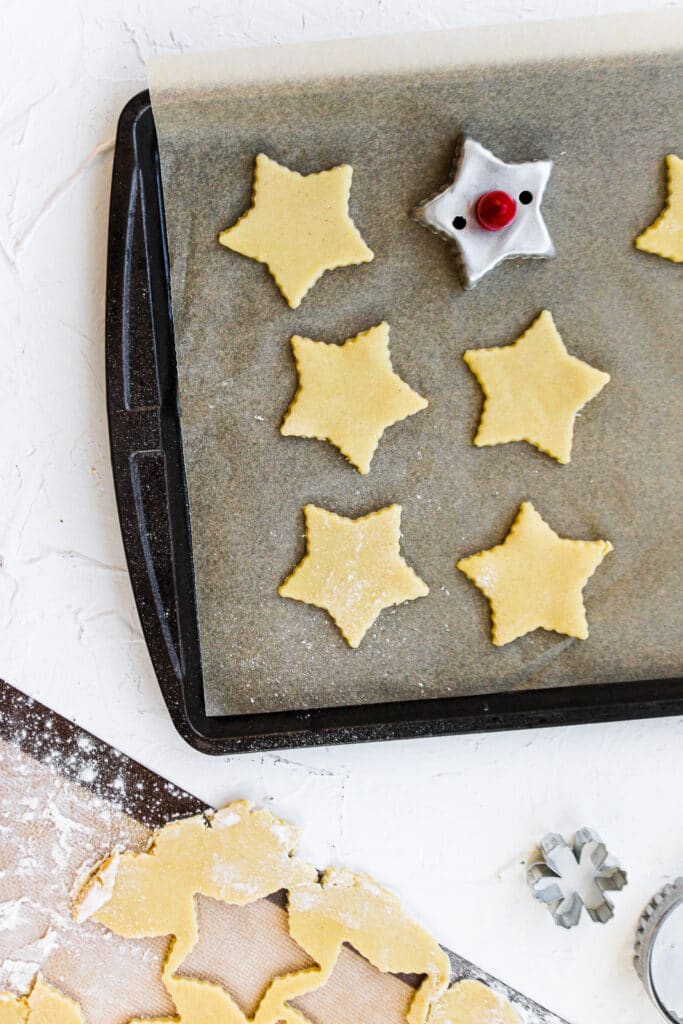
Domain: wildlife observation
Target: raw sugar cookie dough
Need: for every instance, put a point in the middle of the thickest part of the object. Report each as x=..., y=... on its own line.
x=240, y=854
x=535, y=579
x=472, y=1002
x=298, y=225
x=347, y=908
x=665, y=237
x=349, y=394
x=533, y=390
x=43, y=1005
x=353, y=568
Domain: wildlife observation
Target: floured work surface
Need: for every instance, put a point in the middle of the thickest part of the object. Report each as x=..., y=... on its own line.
x=56, y=829
x=66, y=802
x=608, y=126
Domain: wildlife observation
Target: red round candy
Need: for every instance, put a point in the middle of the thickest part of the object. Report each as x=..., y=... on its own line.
x=495, y=210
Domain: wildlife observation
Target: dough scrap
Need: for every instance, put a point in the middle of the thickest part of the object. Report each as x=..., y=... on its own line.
x=535, y=578
x=665, y=236
x=349, y=394
x=13, y=1009
x=353, y=568
x=43, y=1005
x=212, y=855
x=472, y=1002
x=298, y=225
x=351, y=908
x=97, y=890
x=533, y=390
x=239, y=855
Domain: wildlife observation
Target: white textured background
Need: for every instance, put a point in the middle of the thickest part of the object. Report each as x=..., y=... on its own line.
x=446, y=822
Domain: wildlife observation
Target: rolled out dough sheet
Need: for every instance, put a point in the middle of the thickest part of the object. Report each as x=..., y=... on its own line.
x=607, y=122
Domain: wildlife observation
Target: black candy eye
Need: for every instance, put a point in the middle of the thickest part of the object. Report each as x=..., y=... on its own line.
x=459, y=223
x=525, y=197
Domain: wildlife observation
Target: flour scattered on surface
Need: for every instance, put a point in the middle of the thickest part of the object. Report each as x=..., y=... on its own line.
x=227, y=875
x=17, y=976
x=18, y=971
x=305, y=899
x=53, y=833
x=285, y=834
x=87, y=774
x=98, y=892
x=12, y=914
x=225, y=819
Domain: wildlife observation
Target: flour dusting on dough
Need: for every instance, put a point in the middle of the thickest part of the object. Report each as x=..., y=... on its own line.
x=98, y=891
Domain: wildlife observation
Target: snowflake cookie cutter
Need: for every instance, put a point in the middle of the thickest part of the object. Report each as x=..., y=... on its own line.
x=658, y=955
x=571, y=878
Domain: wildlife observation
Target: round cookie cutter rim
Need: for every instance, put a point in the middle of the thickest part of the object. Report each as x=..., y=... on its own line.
x=657, y=910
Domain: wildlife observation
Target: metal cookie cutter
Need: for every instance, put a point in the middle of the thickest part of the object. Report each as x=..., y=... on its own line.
x=571, y=877
x=659, y=951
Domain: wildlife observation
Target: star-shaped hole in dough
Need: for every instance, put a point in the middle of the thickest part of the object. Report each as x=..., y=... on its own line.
x=345, y=909
x=237, y=855
x=298, y=225
x=665, y=236
x=535, y=579
x=456, y=213
x=353, y=568
x=349, y=394
x=533, y=390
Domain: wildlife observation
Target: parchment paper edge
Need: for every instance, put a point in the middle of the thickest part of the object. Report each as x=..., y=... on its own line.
x=562, y=39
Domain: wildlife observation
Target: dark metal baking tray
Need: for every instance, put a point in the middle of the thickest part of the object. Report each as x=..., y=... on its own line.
x=147, y=459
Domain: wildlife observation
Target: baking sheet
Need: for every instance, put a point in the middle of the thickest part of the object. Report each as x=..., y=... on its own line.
x=607, y=124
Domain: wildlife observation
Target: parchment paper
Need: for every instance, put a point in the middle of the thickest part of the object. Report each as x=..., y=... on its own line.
x=607, y=124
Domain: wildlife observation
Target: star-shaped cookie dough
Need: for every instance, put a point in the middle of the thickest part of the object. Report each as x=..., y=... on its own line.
x=491, y=211
x=665, y=236
x=535, y=579
x=533, y=390
x=349, y=394
x=353, y=568
x=298, y=225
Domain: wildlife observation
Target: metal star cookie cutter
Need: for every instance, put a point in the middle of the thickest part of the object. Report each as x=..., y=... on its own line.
x=658, y=956
x=570, y=878
x=483, y=189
